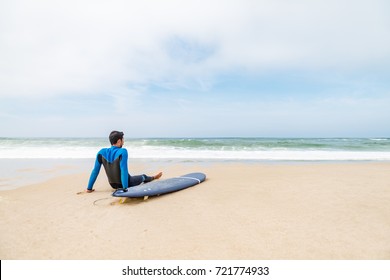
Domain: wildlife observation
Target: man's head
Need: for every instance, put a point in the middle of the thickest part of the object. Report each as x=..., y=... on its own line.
x=115, y=136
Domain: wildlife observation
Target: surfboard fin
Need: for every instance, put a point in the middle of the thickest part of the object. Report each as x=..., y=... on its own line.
x=146, y=197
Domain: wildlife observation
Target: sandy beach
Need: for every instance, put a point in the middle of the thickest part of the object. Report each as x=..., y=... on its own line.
x=242, y=211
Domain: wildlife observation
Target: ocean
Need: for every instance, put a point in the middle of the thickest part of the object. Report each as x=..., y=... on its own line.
x=251, y=149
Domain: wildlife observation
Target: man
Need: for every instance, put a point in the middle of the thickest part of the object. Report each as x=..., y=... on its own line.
x=114, y=160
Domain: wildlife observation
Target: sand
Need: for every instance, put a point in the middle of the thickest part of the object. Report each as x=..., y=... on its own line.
x=280, y=211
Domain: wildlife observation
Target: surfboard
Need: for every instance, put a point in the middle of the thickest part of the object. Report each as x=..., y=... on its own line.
x=158, y=187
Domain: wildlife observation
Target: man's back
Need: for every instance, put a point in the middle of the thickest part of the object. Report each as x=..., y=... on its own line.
x=110, y=155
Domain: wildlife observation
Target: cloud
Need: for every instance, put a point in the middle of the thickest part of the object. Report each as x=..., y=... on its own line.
x=89, y=47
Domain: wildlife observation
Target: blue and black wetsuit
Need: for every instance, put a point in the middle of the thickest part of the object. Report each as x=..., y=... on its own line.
x=116, y=155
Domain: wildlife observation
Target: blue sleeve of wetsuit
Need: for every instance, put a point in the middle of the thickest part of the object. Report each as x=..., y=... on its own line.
x=124, y=170
x=94, y=173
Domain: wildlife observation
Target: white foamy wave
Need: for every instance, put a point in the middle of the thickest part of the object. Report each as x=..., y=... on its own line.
x=260, y=155
x=140, y=151
x=48, y=152
x=159, y=153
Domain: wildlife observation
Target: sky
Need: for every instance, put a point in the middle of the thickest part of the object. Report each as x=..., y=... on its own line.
x=176, y=68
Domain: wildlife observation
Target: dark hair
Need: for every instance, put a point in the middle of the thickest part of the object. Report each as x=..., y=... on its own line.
x=115, y=136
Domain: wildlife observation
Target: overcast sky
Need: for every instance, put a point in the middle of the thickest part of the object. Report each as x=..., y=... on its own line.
x=275, y=68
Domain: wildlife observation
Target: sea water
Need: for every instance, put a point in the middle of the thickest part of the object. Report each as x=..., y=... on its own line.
x=24, y=161
x=252, y=149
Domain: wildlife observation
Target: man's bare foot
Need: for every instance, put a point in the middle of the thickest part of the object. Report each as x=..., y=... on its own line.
x=158, y=176
x=89, y=191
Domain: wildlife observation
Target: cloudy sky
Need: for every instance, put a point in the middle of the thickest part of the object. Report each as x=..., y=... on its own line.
x=265, y=68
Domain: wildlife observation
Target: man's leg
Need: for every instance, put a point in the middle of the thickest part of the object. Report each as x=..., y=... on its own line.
x=135, y=180
x=139, y=179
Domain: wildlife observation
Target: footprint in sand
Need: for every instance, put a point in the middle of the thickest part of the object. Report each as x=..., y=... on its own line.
x=84, y=192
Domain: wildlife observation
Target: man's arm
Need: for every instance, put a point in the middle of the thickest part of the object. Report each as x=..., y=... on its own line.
x=124, y=169
x=94, y=174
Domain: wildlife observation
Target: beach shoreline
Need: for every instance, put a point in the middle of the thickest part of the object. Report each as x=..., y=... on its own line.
x=244, y=210
x=19, y=173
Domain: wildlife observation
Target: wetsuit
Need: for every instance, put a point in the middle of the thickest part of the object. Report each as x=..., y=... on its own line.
x=110, y=155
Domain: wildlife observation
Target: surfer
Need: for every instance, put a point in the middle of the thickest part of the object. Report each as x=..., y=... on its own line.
x=114, y=160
